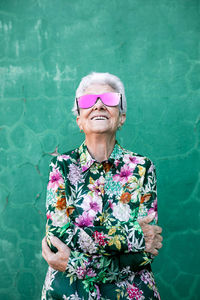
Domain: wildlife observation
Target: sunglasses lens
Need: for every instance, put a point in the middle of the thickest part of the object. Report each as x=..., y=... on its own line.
x=109, y=99
x=86, y=101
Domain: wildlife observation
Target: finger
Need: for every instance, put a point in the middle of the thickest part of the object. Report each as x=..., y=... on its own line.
x=46, y=251
x=43, y=241
x=146, y=228
x=44, y=254
x=57, y=243
x=159, y=245
x=150, y=233
x=148, y=218
x=154, y=252
x=44, y=246
x=140, y=221
x=158, y=229
x=153, y=231
x=159, y=238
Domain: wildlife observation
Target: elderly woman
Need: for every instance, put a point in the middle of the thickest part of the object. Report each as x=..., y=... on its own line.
x=100, y=201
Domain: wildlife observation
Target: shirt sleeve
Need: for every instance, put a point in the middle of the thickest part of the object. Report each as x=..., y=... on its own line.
x=59, y=207
x=148, y=201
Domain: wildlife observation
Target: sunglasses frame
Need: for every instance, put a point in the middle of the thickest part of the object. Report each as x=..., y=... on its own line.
x=78, y=109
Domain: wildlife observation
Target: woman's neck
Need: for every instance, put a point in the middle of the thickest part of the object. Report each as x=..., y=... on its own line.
x=100, y=146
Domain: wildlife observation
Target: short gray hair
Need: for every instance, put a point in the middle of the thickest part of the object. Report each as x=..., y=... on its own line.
x=101, y=78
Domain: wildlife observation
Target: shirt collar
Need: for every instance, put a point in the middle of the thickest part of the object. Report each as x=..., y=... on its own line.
x=86, y=160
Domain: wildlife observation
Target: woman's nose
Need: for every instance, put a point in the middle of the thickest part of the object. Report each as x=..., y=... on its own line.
x=99, y=104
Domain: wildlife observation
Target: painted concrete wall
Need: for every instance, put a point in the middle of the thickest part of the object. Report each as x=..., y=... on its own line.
x=45, y=49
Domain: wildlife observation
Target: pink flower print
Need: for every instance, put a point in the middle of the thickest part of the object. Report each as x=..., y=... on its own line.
x=110, y=204
x=117, y=162
x=100, y=238
x=98, y=292
x=91, y=273
x=81, y=272
x=85, y=220
x=92, y=204
x=130, y=247
x=146, y=278
x=49, y=216
x=151, y=169
x=154, y=209
x=84, y=168
x=55, y=179
x=156, y=294
x=134, y=292
x=132, y=161
x=97, y=186
x=124, y=174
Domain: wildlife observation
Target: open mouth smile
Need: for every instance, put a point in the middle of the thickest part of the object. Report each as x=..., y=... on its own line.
x=99, y=118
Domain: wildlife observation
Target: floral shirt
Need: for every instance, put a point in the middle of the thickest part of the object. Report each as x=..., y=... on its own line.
x=94, y=208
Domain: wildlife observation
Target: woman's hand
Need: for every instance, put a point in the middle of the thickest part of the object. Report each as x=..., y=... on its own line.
x=59, y=260
x=152, y=234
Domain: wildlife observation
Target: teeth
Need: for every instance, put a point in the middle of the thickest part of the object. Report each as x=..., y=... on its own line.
x=99, y=118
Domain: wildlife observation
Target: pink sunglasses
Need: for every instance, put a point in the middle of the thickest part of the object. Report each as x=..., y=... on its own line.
x=109, y=99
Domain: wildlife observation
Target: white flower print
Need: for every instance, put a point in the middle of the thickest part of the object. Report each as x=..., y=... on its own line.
x=59, y=218
x=50, y=276
x=86, y=243
x=63, y=157
x=75, y=175
x=121, y=211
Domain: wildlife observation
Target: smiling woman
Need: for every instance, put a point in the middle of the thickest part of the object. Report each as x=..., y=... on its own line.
x=100, y=199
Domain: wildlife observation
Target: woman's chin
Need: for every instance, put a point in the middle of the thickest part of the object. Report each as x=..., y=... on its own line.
x=101, y=130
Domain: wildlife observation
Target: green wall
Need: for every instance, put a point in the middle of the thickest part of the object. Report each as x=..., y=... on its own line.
x=46, y=46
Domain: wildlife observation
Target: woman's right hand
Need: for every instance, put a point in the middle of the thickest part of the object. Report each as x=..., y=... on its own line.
x=59, y=260
x=152, y=234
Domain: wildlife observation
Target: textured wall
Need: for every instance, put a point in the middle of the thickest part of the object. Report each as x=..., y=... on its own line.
x=46, y=46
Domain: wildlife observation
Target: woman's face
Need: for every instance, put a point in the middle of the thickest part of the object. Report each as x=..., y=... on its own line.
x=88, y=120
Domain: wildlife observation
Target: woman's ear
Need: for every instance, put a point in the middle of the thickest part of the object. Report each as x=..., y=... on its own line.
x=122, y=119
x=78, y=121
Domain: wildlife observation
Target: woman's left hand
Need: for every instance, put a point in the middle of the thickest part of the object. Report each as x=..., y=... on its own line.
x=152, y=234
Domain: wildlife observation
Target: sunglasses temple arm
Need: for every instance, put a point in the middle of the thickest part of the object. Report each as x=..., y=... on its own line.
x=78, y=110
x=121, y=102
